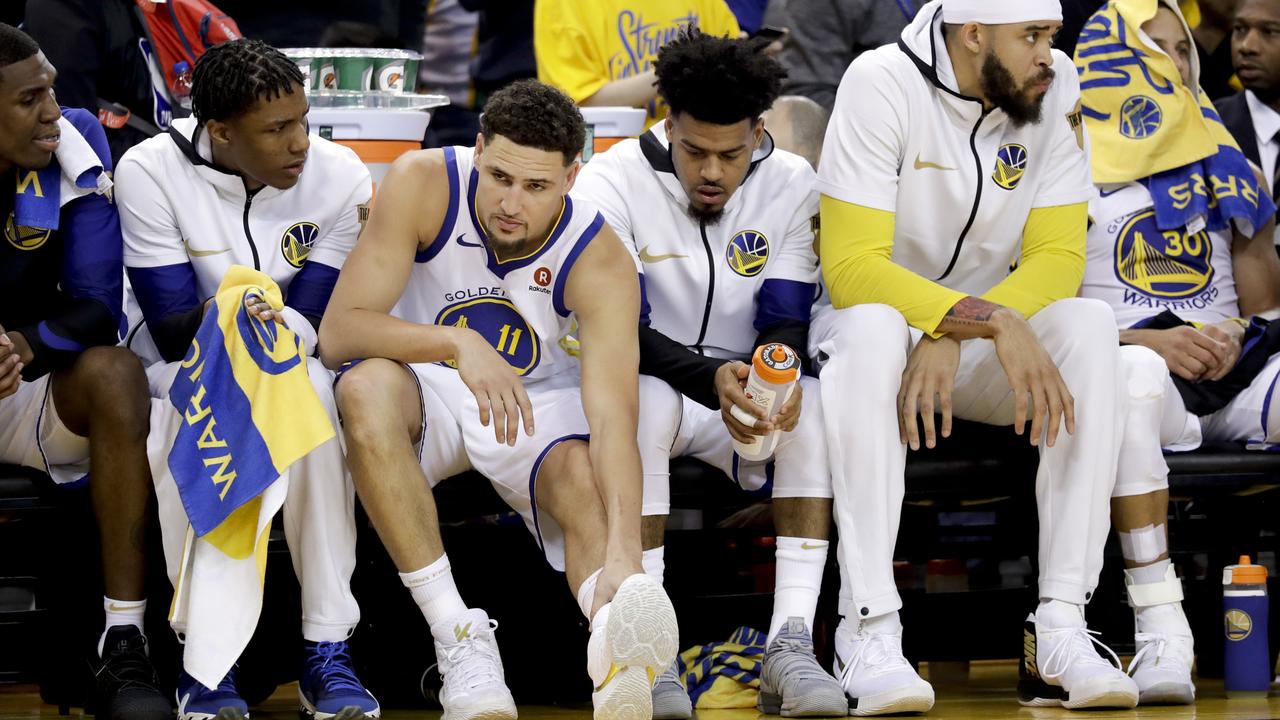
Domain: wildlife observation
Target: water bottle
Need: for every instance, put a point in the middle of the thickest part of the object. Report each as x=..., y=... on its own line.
x=181, y=89
x=1247, y=667
x=775, y=368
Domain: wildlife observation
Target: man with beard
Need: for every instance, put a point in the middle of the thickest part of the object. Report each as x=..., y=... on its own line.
x=1253, y=116
x=951, y=156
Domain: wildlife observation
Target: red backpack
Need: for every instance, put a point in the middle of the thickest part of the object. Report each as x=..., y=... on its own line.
x=183, y=29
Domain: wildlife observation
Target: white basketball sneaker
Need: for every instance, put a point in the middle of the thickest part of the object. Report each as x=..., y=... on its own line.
x=475, y=686
x=633, y=638
x=1061, y=665
x=875, y=674
x=1165, y=648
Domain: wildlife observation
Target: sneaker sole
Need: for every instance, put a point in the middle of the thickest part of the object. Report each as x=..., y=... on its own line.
x=905, y=700
x=223, y=714
x=495, y=711
x=642, y=625
x=1168, y=694
x=804, y=706
x=351, y=712
x=1121, y=699
x=628, y=695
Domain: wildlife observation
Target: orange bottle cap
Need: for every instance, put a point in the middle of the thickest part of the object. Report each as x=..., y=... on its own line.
x=1247, y=572
x=776, y=363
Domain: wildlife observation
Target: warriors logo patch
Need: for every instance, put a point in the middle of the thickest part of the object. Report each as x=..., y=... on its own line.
x=1169, y=264
x=1140, y=117
x=1011, y=166
x=747, y=253
x=297, y=241
x=25, y=238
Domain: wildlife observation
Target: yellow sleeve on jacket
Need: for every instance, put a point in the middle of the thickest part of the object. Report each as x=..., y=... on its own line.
x=1053, y=257
x=719, y=20
x=566, y=49
x=857, y=265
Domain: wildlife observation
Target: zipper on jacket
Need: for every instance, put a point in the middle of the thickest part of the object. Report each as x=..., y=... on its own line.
x=711, y=288
x=248, y=234
x=977, y=200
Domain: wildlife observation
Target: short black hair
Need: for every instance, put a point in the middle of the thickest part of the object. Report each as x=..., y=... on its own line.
x=534, y=114
x=718, y=80
x=230, y=78
x=15, y=45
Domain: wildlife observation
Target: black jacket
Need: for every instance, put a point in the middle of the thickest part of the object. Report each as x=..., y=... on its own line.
x=94, y=46
x=1235, y=114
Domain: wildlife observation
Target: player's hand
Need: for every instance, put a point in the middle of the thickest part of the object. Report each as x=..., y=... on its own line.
x=259, y=308
x=1231, y=335
x=1189, y=353
x=1040, y=393
x=930, y=373
x=731, y=383
x=498, y=390
x=10, y=367
x=789, y=415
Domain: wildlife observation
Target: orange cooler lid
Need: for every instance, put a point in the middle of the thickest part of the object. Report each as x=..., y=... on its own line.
x=776, y=363
x=1245, y=573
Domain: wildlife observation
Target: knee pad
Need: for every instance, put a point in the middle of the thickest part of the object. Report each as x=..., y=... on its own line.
x=1141, y=468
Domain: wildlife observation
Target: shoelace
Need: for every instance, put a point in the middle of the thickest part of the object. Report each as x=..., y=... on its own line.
x=332, y=662
x=1077, y=636
x=795, y=655
x=475, y=658
x=1152, y=644
x=887, y=655
x=128, y=666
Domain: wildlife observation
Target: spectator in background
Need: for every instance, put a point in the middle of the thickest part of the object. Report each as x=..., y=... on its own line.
x=1213, y=42
x=506, y=45
x=448, y=50
x=750, y=14
x=94, y=44
x=826, y=35
x=1253, y=116
x=798, y=125
x=602, y=52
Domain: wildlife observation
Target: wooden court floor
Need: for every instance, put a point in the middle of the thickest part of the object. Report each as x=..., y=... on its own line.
x=989, y=695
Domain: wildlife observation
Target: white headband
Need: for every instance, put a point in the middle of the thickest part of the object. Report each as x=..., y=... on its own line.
x=1000, y=12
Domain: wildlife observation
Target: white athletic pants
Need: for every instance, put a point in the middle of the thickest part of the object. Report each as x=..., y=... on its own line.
x=864, y=351
x=319, y=524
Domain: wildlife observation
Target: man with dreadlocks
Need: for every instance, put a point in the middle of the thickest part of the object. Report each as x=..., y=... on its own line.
x=241, y=183
x=709, y=208
x=69, y=401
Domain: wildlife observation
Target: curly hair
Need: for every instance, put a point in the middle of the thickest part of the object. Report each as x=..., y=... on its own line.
x=15, y=45
x=717, y=80
x=230, y=78
x=535, y=115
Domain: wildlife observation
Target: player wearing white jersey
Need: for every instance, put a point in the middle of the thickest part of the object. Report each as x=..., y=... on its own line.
x=241, y=183
x=473, y=270
x=1180, y=285
x=710, y=209
x=950, y=156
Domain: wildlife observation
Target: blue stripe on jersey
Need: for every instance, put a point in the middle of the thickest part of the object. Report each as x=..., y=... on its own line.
x=645, y=308
x=310, y=289
x=557, y=293
x=451, y=217
x=784, y=301
x=164, y=291
x=55, y=341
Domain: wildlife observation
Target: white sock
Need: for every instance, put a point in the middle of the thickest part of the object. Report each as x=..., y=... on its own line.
x=587, y=593
x=120, y=613
x=799, y=578
x=655, y=564
x=433, y=590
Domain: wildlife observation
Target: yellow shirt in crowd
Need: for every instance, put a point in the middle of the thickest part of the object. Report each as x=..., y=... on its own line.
x=581, y=45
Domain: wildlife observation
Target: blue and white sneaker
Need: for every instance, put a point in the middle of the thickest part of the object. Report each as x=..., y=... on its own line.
x=329, y=688
x=197, y=702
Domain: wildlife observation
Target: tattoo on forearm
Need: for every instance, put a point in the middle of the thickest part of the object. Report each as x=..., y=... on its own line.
x=971, y=311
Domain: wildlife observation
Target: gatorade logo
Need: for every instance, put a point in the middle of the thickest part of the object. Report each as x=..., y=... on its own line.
x=1238, y=625
x=328, y=76
x=391, y=77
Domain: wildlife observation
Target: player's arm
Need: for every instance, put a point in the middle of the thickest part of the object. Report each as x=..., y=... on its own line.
x=604, y=294
x=1257, y=267
x=91, y=279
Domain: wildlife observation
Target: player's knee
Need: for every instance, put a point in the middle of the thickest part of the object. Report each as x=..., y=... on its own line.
x=869, y=344
x=116, y=384
x=366, y=399
x=864, y=327
x=1143, y=372
x=566, y=486
x=1080, y=320
x=659, y=415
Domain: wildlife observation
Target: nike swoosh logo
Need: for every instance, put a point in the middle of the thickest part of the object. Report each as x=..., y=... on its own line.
x=648, y=259
x=202, y=253
x=926, y=165
x=807, y=546
x=464, y=243
x=1104, y=193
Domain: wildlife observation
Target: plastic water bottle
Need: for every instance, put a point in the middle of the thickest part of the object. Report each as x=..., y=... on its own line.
x=181, y=89
x=775, y=368
x=1247, y=667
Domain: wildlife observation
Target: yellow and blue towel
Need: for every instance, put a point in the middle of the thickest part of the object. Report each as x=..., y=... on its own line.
x=725, y=675
x=1146, y=126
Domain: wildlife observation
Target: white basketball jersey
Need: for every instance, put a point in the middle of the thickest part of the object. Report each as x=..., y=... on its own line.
x=1141, y=271
x=518, y=304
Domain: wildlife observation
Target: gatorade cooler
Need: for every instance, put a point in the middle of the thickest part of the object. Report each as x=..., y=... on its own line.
x=608, y=126
x=378, y=136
